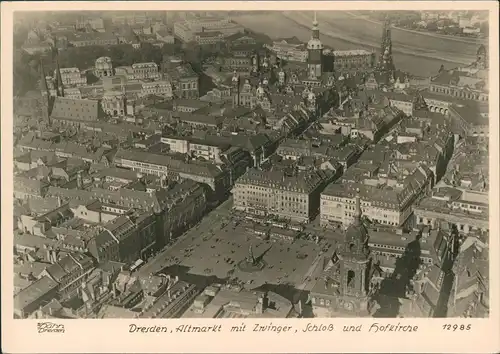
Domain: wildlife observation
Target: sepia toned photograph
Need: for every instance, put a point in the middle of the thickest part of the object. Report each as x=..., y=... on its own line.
x=251, y=164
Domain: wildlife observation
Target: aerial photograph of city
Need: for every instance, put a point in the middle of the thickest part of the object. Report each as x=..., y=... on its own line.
x=250, y=164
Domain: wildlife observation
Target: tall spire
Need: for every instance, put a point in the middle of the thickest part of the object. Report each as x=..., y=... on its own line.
x=315, y=29
x=386, y=61
x=59, y=82
x=43, y=80
x=357, y=215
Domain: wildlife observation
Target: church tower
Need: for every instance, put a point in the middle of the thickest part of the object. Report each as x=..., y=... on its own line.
x=355, y=261
x=482, y=57
x=315, y=53
x=235, y=89
x=386, y=62
x=46, y=99
x=59, y=83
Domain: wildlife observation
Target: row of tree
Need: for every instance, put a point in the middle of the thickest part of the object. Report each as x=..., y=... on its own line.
x=27, y=72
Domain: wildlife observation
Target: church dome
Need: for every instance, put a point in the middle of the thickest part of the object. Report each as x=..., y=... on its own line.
x=357, y=232
x=103, y=63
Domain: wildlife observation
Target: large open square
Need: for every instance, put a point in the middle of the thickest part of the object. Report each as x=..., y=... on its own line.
x=218, y=252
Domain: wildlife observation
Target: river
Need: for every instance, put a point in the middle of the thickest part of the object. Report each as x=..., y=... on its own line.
x=417, y=53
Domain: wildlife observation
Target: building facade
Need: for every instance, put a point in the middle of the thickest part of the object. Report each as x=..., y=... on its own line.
x=381, y=205
x=294, y=197
x=146, y=71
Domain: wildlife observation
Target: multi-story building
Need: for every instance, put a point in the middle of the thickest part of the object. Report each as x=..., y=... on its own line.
x=240, y=64
x=86, y=39
x=184, y=79
x=208, y=37
x=70, y=273
x=467, y=210
x=470, y=293
x=95, y=23
x=293, y=196
x=186, y=207
x=401, y=101
x=176, y=299
x=351, y=60
x=217, y=178
x=470, y=119
x=188, y=105
x=125, y=238
x=380, y=204
x=290, y=49
x=34, y=296
x=228, y=302
x=158, y=88
x=187, y=30
x=72, y=77
x=469, y=83
x=146, y=71
x=210, y=151
x=165, y=37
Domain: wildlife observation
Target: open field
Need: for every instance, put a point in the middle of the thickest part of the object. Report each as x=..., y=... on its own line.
x=420, y=54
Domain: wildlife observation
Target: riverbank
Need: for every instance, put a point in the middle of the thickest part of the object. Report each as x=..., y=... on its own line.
x=474, y=41
x=331, y=28
x=341, y=33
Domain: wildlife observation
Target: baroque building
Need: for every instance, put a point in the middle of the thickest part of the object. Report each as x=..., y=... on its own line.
x=315, y=53
x=346, y=287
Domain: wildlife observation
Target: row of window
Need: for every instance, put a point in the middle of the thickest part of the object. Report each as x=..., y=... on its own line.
x=189, y=85
x=459, y=93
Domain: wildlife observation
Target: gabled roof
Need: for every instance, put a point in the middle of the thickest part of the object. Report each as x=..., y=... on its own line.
x=76, y=109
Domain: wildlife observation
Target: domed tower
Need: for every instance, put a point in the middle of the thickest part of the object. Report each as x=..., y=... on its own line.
x=482, y=57
x=315, y=53
x=354, y=257
x=103, y=67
